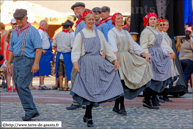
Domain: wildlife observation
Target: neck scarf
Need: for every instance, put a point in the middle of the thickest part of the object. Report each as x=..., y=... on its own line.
x=22, y=29
x=65, y=31
x=41, y=29
x=103, y=21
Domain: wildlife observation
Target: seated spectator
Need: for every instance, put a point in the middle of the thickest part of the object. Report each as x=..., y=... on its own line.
x=186, y=57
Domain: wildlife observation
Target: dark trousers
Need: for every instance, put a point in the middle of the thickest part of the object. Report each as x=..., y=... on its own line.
x=187, y=66
x=22, y=77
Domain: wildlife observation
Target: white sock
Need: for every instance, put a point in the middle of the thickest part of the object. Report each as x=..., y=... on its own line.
x=42, y=85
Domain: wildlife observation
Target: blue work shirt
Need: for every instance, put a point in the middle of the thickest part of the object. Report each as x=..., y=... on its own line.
x=109, y=23
x=32, y=42
x=104, y=29
x=81, y=26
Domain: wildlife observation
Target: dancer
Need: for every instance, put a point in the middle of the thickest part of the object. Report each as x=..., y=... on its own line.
x=135, y=71
x=97, y=80
x=150, y=41
x=26, y=48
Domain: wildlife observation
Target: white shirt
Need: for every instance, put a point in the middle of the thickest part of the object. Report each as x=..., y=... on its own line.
x=165, y=45
x=112, y=41
x=63, y=42
x=44, y=39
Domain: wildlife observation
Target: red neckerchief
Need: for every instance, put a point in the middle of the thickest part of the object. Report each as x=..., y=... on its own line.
x=127, y=27
x=22, y=29
x=65, y=31
x=77, y=22
x=40, y=28
x=103, y=21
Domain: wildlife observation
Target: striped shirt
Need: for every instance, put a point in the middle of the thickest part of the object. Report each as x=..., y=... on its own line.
x=32, y=42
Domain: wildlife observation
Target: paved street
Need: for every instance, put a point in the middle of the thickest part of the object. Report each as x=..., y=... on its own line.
x=52, y=107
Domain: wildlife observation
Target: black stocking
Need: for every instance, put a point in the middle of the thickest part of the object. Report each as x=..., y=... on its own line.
x=88, y=112
x=122, y=106
x=117, y=101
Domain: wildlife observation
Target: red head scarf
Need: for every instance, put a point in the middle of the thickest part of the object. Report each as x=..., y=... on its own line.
x=160, y=20
x=87, y=12
x=113, y=18
x=146, y=18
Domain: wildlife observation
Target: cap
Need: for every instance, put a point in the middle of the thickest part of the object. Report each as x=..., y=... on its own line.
x=13, y=21
x=20, y=13
x=78, y=4
x=105, y=8
x=97, y=9
x=67, y=24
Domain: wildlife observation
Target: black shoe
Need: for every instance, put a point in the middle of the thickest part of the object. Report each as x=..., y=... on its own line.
x=122, y=112
x=115, y=110
x=167, y=100
x=73, y=107
x=84, y=106
x=160, y=99
x=156, y=102
x=149, y=104
x=4, y=85
x=90, y=123
x=85, y=119
x=28, y=117
x=35, y=115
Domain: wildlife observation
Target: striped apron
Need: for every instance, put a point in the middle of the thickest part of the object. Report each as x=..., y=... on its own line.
x=133, y=69
x=97, y=81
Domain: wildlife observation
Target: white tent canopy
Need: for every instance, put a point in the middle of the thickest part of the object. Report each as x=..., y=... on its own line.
x=35, y=12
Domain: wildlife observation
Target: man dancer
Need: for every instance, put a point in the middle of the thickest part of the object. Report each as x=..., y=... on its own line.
x=78, y=9
x=25, y=48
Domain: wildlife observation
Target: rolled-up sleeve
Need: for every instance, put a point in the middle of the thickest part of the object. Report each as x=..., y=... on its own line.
x=144, y=40
x=106, y=48
x=36, y=39
x=112, y=41
x=76, y=50
x=11, y=43
x=166, y=46
x=134, y=46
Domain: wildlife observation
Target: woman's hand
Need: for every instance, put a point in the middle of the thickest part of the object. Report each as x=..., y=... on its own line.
x=173, y=55
x=103, y=56
x=115, y=62
x=147, y=56
x=76, y=67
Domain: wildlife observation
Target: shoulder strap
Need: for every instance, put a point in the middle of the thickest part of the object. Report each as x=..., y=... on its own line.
x=79, y=27
x=100, y=26
x=96, y=32
x=150, y=30
x=23, y=44
x=82, y=34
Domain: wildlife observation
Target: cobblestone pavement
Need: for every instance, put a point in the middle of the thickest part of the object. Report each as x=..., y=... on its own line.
x=52, y=107
x=104, y=117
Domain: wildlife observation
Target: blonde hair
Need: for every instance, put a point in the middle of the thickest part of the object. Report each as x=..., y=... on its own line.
x=2, y=25
x=88, y=15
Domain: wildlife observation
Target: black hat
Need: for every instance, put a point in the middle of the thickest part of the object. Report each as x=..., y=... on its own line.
x=20, y=13
x=97, y=9
x=105, y=8
x=78, y=4
x=67, y=24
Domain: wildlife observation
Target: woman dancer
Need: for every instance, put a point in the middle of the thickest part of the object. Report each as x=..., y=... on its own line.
x=135, y=71
x=97, y=80
x=150, y=41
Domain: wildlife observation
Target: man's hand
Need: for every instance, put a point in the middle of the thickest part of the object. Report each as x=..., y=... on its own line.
x=35, y=68
x=76, y=67
x=115, y=62
x=43, y=51
x=134, y=36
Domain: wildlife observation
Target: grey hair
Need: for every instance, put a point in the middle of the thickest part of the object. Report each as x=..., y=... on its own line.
x=88, y=15
x=43, y=22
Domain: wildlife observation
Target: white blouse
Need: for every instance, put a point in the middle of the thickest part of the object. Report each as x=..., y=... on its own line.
x=78, y=47
x=166, y=43
x=112, y=41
